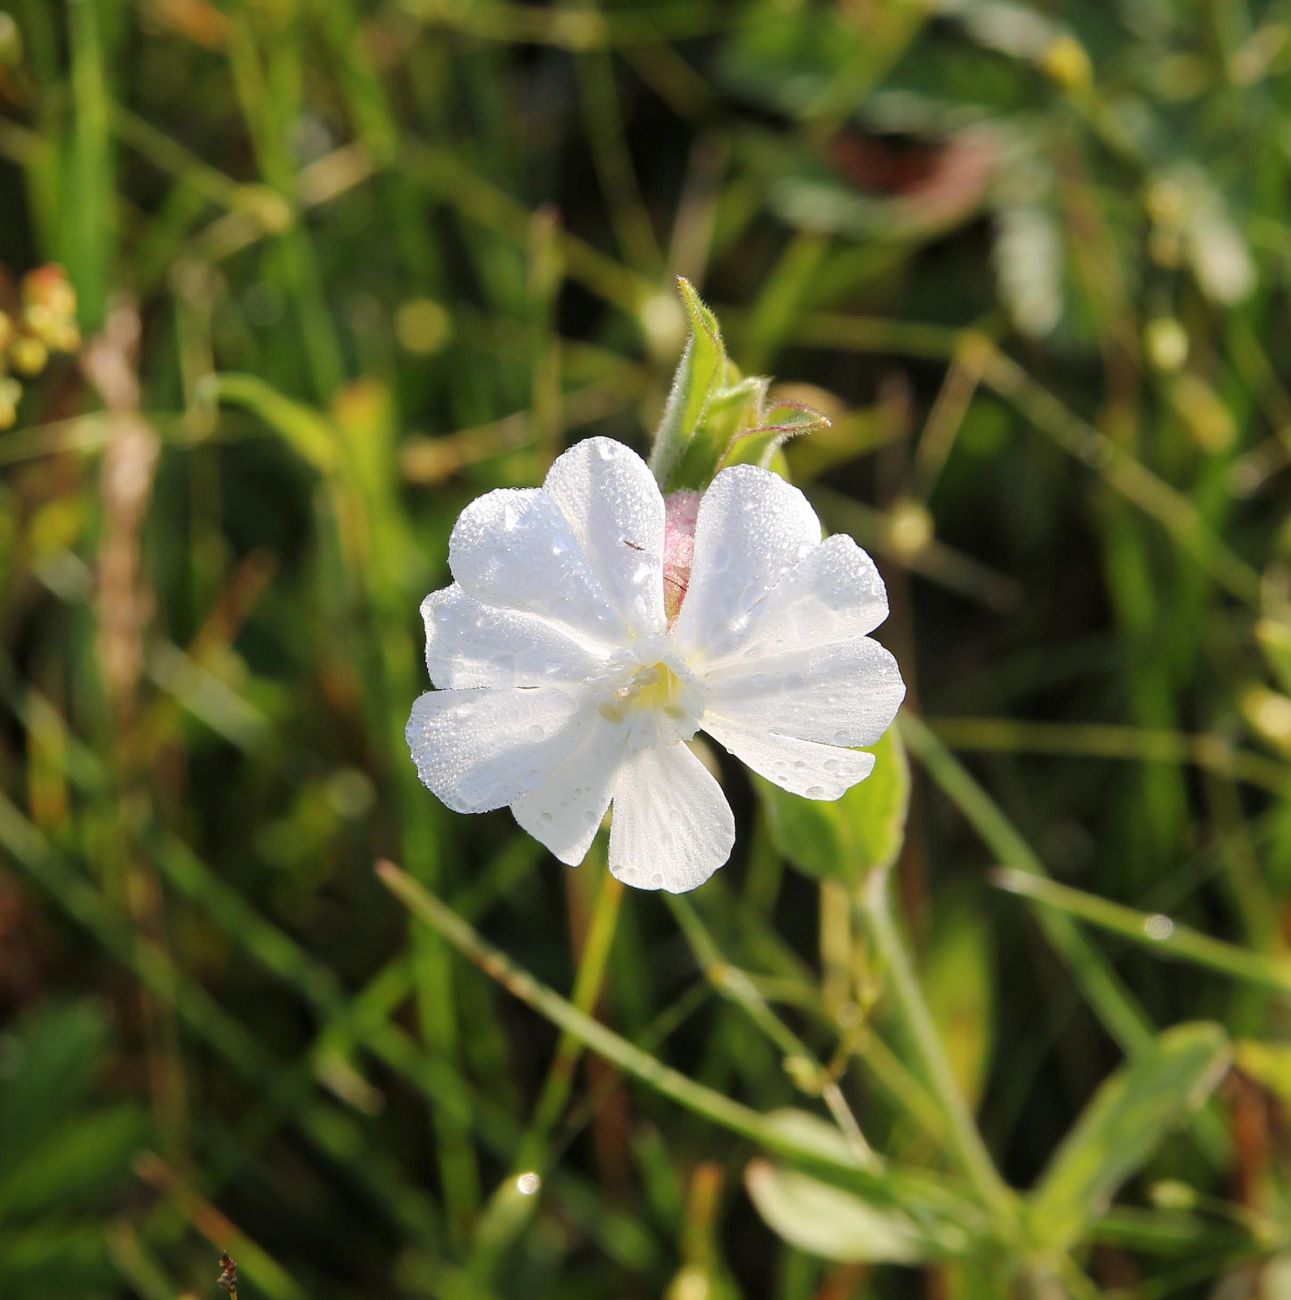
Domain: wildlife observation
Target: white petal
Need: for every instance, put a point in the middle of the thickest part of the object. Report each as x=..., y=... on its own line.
x=472, y=644
x=672, y=826
x=513, y=548
x=481, y=749
x=566, y=812
x=799, y=766
x=842, y=694
x=834, y=593
x=753, y=527
x=613, y=506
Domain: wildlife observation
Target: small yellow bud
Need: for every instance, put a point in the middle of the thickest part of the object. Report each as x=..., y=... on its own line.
x=422, y=326
x=40, y=322
x=1066, y=61
x=48, y=287
x=28, y=355
x=1269, y=714
x=1166, y=342
x=1166, y=201
x=910, y=528
x=10, y=392
x=65, y=337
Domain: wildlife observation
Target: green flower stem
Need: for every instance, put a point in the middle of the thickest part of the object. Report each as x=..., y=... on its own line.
x=837, y=1163
x=735, y=984
x=565, y=1015
x=1167, y=938
x=509, y=1212
x=1113, y=1003
x=588, y=982
x=908, y=1003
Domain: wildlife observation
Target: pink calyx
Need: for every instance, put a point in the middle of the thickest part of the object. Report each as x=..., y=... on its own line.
x=681, y=513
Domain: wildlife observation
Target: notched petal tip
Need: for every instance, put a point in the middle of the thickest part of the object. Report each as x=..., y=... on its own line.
x=671, y=826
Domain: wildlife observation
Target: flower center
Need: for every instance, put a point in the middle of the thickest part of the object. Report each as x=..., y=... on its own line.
x=655, y=687
x=656, y=703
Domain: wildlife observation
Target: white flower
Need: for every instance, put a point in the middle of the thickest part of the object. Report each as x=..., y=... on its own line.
x=563, y=687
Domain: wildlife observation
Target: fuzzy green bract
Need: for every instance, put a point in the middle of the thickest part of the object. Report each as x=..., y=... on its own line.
x=715, y=416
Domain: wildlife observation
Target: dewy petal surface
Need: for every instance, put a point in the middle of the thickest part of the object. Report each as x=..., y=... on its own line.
x=834, y=593
x=566, y=811
x=614, y=508
x=842, y=694
x=802, y=767
x=753, y=528
x=514, y=549
x=482, y=749
x=472, y=644
x=672, y=827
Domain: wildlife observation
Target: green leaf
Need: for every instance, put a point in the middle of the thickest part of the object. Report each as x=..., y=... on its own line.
x=701, y=372
x=957, y=977
x=84, y=1156
x=1128, y=1118
x=53, y=1260
x=919, y=1219
x=849, y=838
x=46, y=1069
x=1269, y=1064
x=832, y=1223
x=1028, y=260
x=1274, y=637
x=308, y=433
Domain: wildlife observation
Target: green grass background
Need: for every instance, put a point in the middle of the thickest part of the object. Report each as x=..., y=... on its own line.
x=343, y=265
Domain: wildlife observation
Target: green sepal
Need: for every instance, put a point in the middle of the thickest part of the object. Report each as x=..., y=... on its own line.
x=700, y=373
x=715, y=417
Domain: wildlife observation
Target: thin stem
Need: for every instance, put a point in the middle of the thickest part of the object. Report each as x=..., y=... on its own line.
x=735, y=984
x=839, y=1163
x=588, y=982
x=1166, y=937
x=510, y=1209
x=1102, y=987
x=908, y=1003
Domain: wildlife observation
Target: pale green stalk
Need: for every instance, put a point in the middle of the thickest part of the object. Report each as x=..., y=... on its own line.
x=1166, y=937
x=908, y=1004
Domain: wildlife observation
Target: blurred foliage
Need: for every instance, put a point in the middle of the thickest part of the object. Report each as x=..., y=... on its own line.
x=341, y=265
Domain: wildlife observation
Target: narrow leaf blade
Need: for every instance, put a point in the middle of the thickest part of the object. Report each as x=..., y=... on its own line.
x=1121, y=1128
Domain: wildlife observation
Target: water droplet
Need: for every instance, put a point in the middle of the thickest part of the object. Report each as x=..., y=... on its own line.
x=1158, y=927
x=815, y=792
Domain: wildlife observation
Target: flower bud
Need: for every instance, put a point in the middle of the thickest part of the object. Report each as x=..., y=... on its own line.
x=10, y=392
x=28, y=355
